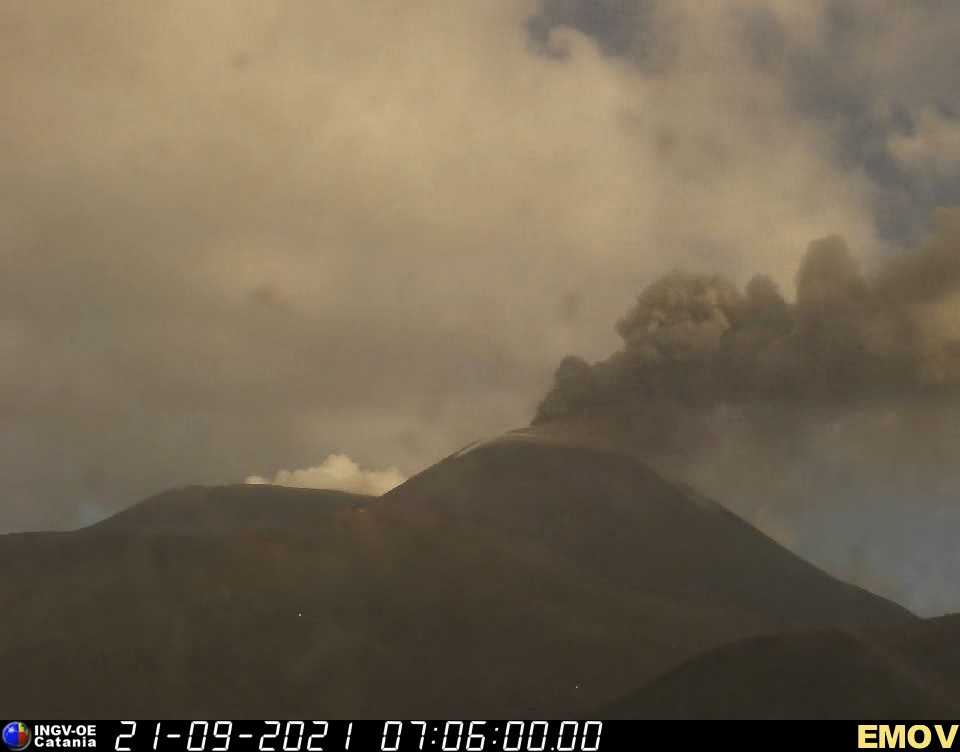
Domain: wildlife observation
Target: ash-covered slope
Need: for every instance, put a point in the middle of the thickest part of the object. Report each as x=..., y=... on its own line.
x=198, y=511
x=907, y=672
x=619, y=521
x=522, y=577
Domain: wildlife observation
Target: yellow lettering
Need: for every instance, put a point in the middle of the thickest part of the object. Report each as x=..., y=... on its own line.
x=867, y=736
x=946, y=741
x=912, y=734
x=892, y=736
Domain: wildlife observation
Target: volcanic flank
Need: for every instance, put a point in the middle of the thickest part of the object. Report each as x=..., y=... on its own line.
x=908, y=672
x=527, y=575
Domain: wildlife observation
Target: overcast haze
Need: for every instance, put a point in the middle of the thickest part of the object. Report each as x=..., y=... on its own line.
x=239, y=237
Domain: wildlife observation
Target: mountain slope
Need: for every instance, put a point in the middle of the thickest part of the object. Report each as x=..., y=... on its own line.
x=521, y=577
x=907, y=672
x=618, y=520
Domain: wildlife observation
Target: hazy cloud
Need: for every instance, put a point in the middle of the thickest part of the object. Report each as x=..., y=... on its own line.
x=242, y=234
x=932, y=149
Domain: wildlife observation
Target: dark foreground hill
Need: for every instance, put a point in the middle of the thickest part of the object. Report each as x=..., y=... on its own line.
x=519, y=578
x=907, y=672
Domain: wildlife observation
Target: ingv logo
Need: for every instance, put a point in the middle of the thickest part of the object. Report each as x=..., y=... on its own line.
x=16, y=736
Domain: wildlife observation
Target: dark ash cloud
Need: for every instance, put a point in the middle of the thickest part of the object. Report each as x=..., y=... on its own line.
x=699, y=341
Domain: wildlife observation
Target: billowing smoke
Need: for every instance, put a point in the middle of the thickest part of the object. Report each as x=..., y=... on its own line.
x=338, y=473
x=830, y=421
x=697, y=341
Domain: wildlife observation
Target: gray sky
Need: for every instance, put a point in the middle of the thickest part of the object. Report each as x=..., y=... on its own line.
x=238, y=236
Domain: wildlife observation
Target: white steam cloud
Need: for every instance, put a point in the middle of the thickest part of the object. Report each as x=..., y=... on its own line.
x=338, y=473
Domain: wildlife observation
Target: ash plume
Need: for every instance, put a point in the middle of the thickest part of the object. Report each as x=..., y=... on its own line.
x=831, y=422
x=698, y=341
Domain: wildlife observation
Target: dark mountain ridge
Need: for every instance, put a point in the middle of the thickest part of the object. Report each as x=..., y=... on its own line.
x=906, y=672
x=522, y=577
